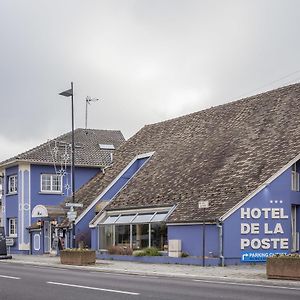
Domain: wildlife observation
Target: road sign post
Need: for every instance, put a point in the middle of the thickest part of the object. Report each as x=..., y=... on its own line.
x=203, y=205
x=71, y=214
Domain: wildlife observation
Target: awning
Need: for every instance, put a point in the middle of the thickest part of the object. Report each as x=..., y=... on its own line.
x=43, y=211
x=138, y=218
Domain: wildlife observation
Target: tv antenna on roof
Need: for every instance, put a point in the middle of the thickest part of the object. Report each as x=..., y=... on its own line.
x=88, y=101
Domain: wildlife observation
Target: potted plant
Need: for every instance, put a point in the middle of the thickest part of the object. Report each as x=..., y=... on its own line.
x=284, y=267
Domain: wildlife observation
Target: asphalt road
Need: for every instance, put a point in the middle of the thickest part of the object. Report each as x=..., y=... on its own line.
x=46, y=283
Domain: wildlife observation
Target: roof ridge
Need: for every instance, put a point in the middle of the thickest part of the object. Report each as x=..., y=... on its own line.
x=233, y=102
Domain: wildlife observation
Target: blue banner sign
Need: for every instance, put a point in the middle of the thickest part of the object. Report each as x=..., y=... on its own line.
x=258, y=256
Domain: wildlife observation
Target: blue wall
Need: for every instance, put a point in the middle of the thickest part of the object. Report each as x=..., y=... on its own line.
x=82, y=175
x=191, y=237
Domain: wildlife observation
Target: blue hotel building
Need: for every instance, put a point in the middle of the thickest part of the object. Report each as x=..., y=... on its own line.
x=241, y=159
x=35, y=184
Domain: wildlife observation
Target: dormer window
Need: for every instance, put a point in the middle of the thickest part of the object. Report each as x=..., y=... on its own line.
x=295, y=179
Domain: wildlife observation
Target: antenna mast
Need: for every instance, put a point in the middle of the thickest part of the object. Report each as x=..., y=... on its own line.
x=88, y=101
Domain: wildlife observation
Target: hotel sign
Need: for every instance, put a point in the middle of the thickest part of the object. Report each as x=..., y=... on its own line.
x=262, y=233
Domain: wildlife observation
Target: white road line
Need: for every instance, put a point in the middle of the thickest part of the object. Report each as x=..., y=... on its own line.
x=9, y=277
x=248, y=284
x=93, y=288
x=124, y=275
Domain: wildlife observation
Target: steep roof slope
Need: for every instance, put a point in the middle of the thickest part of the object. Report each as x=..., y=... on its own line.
x=87, y=150
x=219, y=154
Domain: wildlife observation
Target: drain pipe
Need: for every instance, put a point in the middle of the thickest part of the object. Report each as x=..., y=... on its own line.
x=220, y=226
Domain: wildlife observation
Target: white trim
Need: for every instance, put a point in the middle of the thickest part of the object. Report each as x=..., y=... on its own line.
x=15, y=234
x=39, y=211
x=140, y=156
x=51, y=191
x=260, y=188
x=35, y=240
x=188, y=224
x=15, y=184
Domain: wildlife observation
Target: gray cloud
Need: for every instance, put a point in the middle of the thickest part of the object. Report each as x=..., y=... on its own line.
x=147, y=60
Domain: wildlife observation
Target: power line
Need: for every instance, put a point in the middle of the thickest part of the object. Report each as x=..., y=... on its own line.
x=268, y=84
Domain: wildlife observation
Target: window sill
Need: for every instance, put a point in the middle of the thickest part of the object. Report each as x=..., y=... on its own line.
x=13, y=236
x=11, y=194
x=51, y=193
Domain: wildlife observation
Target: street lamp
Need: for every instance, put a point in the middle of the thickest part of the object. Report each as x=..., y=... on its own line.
x=69, y=93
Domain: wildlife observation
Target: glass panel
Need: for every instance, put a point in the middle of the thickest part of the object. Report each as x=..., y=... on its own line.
x=140, y=236
x=106, y=236
x=46, y=182
x=56, y=183
x=143, y=218
x=159, y=217
x=125, y=219
x=159, y=238
x=110, y=220
x=122, y=233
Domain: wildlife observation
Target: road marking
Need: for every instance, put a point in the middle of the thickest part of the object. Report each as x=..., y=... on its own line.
x=9, y=277
x=93, y=288
x=248, y=284
x=50, y=268
x=124, y=274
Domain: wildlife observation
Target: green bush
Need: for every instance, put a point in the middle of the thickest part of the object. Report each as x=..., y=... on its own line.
x=147, y=252
x=76, y=250
x=184, y=254
x=291, y=255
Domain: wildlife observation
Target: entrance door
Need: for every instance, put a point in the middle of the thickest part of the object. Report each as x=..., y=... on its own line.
x=47, y=236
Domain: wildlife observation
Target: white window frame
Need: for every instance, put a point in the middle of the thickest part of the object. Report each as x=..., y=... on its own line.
x=295, y=179
x=12, y=185
x=12, y=223
x=51, y=190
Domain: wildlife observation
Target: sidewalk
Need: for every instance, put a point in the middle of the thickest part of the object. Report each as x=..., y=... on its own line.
x=253, y=274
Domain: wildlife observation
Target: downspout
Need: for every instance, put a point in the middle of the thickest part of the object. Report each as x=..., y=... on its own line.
x=221, y=254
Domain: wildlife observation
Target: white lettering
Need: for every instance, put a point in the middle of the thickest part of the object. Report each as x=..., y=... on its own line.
x=255, y=244
x=282, y=216
x=266, y=227
x=245, y=213
x=265, y=244
x=275, y=213
x=278, y=228
x=255, y=228
x=245, y=243
x=275, y=243
x=266, y=212
x=255, y=213
x=245, y=228
x=284, y=244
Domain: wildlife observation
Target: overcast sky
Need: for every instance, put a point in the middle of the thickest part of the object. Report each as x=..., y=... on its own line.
x=147, y=60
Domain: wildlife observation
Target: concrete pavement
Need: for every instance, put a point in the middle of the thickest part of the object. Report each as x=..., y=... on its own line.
x=240, y=273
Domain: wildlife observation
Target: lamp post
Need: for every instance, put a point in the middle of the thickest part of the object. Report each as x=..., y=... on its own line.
x=69, y=93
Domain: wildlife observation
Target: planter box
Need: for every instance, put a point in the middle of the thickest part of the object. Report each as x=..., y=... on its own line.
x=79, y=258
x=283, y=267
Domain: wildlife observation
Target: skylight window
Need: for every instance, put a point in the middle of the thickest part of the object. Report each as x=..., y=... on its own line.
x=107, y=147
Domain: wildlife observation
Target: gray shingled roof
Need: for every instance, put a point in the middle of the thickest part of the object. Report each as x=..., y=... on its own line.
x=219, y=154
x=87, y=150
